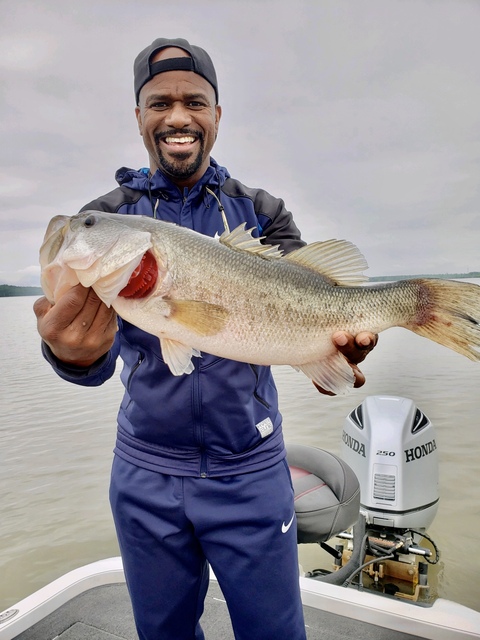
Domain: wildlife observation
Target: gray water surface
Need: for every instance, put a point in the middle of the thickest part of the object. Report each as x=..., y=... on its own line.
x=56, y=443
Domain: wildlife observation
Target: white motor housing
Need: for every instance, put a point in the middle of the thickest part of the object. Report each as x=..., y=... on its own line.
x=390, y=445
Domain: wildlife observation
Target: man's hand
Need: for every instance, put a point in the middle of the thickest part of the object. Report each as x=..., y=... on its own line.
x=79, y=328
x=355, y=349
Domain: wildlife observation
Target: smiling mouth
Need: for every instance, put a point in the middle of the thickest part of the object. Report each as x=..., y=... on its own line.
x=179, y=140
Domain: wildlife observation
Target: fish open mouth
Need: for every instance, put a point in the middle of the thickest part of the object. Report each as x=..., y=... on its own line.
x=143, y=279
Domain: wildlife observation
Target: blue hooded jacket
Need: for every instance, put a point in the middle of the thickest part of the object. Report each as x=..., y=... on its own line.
x=223, y=418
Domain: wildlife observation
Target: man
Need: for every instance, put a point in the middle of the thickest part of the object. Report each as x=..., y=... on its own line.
x=199, y=473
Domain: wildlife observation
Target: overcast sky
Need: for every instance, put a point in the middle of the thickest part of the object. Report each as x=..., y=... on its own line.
x=363, y=115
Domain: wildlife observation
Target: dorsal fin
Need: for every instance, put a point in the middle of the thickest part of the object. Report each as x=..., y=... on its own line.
x=338, y=260
x=241, y=239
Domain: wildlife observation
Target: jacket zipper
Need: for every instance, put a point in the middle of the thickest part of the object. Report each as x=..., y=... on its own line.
x=139, y=361
x=197, y=417
x=255, y=393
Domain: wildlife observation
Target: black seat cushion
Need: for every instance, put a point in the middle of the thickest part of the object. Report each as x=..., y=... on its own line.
x=327, y=493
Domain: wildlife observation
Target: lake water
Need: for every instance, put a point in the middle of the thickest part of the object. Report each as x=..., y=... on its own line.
x=56, y=443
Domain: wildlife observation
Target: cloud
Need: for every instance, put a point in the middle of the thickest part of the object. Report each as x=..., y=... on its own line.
x=26, y=277
x=22, y=52
x=14, y=186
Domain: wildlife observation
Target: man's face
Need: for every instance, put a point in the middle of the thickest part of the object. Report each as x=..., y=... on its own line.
x=178, y=120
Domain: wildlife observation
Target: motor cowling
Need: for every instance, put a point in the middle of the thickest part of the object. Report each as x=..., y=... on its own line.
x=391, y=446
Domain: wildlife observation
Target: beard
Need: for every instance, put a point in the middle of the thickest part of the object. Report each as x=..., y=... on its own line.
x=182, y=165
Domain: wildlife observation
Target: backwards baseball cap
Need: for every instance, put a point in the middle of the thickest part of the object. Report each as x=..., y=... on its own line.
x=199, y=62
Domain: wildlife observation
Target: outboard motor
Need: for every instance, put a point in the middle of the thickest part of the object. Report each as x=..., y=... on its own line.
x=391, y=446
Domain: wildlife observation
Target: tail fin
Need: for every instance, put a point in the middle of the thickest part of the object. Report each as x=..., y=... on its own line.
x=449, y=313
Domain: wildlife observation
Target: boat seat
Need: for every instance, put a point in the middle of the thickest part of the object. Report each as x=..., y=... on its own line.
x=327, y=493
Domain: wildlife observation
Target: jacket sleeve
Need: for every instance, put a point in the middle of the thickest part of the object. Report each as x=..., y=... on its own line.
x=93, y=376
x=274, y=220
x=277, y=222
x=111, y=202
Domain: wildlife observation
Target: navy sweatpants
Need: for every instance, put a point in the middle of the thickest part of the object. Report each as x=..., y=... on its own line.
x=170, y=528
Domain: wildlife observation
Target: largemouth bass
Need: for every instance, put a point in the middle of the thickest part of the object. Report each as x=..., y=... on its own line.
x=235, y=298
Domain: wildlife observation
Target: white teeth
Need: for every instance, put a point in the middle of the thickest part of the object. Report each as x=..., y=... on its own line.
x=184, y=140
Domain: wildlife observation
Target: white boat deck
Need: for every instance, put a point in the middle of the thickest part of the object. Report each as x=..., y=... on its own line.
x=92, y=603
x=104, y=613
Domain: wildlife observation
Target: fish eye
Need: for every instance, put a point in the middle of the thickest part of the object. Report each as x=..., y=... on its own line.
x=89, y=221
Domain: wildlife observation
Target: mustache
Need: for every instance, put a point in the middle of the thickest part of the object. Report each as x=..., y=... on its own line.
x=178, y=132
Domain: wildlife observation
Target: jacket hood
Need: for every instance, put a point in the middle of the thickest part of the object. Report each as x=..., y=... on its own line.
x=139, y=180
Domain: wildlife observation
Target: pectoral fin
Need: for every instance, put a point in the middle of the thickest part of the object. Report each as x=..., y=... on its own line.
x=202, y=318
x=178, y=356
x=332, y=373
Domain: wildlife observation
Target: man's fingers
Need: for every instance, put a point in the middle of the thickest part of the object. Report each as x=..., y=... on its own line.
x=366, y=340
x=354, y=348
x=359, y=377
x=105, y=319
x=322, y=390
x=90, y=311
x=79, y=328
x=41, y=307
x=77, y=310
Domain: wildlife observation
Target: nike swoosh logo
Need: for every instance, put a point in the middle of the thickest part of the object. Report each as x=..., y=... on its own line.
x=286, y=527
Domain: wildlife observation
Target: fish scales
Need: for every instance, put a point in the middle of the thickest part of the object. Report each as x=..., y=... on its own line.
x=235, y=298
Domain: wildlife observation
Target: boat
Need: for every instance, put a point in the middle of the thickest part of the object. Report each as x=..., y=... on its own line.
x=368, y=508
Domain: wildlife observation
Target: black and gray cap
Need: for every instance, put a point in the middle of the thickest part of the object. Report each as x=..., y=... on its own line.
x=198, y=62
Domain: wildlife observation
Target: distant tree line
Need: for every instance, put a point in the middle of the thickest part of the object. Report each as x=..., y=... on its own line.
x=443, y=276
x=8, y=290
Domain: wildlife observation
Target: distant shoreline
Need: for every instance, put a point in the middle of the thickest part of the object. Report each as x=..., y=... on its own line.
x=8, y=290
x=443, y=276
